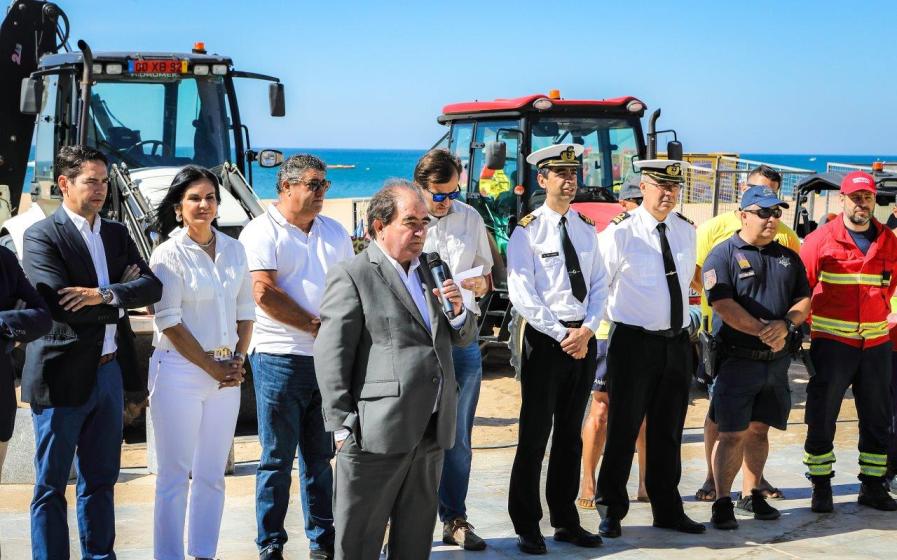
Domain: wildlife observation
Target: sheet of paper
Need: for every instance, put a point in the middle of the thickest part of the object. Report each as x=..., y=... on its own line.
x=470, y=301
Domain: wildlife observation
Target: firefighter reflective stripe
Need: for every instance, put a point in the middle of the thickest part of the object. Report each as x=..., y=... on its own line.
x=853, y=279
x=873, y=464
x=847, y=329
x=819, y=465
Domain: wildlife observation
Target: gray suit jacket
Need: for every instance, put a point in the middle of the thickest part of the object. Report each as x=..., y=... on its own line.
x=377, y=365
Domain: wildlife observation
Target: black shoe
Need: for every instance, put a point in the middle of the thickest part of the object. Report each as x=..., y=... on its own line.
x=459, y=532
x=610, y=528
x=320, y=554
x=531, y=544
x=578, y=536
x=723, y=516
x=757, y=505
x=874, y=494
x=272, y=552
x=821, y=502
x=683, y=525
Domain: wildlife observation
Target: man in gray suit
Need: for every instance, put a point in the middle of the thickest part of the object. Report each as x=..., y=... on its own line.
x=383, y=359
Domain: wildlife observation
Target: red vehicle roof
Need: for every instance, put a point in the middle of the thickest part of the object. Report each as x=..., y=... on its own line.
x=524, y=102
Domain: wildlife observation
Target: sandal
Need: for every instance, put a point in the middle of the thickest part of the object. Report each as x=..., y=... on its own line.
x=769, y=491
x=707, y=492
x=585, y=503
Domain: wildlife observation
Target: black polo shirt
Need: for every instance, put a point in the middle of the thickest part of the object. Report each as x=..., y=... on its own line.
x=765, y=281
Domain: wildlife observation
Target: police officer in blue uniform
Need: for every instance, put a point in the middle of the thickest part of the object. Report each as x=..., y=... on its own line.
x=556, y=282
x=759, y=290
x=649, y=256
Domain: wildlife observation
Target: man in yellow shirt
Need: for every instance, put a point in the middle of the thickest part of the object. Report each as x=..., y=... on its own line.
x=711, y=233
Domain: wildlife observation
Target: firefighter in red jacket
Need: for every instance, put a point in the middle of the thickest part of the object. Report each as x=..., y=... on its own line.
x=851, y=262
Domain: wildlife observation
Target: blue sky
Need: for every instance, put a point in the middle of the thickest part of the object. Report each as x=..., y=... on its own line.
x=762, y=76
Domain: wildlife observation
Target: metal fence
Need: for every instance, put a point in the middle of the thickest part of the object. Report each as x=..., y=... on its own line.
x=713, y=185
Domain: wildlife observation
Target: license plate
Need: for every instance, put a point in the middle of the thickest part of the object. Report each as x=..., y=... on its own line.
x=157, y=66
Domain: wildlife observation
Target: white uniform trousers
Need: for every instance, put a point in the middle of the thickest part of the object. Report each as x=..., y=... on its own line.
x=194, y=424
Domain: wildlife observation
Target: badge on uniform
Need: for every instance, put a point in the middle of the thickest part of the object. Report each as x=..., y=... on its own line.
x=785, y=261
x=709, y=279
x=745, y=265
x=547, y=255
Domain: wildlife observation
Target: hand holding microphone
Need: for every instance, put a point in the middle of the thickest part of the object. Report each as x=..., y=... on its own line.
x=449, y=294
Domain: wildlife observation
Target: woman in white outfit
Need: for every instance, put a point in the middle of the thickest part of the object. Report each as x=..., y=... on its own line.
x=202, y=328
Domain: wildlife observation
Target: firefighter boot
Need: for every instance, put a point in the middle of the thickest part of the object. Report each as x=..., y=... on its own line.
x=822, y=493
x=874, y=494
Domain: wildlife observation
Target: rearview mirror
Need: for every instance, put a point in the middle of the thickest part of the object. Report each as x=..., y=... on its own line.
x=276, y=100
x=496, y=154
x=674, y=150
x=270, y=158
x=31, y=93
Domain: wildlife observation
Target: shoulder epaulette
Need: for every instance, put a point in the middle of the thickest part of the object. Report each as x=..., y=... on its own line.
x=684, y=218
x=620, y=217
x=524, y=221
x=586, y=219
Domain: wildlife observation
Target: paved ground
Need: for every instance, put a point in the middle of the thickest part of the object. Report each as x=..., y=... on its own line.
x=850, y=532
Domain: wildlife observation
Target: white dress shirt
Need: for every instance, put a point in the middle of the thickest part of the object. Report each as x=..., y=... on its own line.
x=94, y=242
x=207, y=297
x=461, y=240
x=538, y=283
x=301, y=262
x=639, y=294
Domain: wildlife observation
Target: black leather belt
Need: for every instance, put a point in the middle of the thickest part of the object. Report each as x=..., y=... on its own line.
x=749, y=354
x=667, y=333
x=106, y=358
x=571, y=324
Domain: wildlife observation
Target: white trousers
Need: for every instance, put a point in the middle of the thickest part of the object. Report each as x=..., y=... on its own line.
x=194, y=425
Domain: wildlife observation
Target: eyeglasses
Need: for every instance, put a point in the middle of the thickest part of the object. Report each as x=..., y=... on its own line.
x=669, y=187
x=766, y=213
x=440, y=197
x=314, y=185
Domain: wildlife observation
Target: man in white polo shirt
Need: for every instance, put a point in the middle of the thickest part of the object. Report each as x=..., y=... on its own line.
x=290, y=249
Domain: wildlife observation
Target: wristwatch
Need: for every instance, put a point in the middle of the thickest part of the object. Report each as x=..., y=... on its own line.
x=107, y=295
x=790, y=324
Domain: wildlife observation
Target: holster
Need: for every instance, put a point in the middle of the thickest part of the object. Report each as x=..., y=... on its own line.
x=710, y=353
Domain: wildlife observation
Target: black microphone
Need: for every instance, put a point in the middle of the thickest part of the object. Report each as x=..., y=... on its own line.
x=440, y=273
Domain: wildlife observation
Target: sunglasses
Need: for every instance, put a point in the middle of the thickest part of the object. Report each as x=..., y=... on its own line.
x=440, y=197
x=314, y=185
x=766, y=213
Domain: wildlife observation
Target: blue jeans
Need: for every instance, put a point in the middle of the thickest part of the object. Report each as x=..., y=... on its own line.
x=456, y=466
x=92, y=432
x=288, y=404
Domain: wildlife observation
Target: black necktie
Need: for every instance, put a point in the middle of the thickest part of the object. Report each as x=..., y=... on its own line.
x=571, y=261
x=669, y=267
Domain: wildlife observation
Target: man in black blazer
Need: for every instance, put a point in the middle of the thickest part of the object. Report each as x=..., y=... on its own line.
x=89, y=272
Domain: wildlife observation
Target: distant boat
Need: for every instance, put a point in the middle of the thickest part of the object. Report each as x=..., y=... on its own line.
x=813, y=158
x=341, y=166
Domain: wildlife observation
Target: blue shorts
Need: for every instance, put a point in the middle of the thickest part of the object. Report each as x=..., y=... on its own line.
x=600, y=383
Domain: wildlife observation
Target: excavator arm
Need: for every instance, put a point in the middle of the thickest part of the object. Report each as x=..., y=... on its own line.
x=30, y=30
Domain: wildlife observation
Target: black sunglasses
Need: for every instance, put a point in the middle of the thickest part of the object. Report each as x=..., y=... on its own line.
x=767, y=213
x=313, y=185
x=440, y=197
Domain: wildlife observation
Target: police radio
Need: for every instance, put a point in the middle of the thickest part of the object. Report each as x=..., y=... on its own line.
x=440, y=272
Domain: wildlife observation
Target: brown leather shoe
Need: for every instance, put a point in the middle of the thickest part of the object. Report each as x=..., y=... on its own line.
x=459, y=532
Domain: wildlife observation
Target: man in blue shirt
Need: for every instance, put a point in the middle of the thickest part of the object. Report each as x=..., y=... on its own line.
x=759, y=290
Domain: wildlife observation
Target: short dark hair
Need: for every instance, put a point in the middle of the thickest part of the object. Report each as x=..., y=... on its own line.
x=766, y=171
x=164, y=218
x=294, y=166
x=69, y=160
x=384, y=204
x=436, y=166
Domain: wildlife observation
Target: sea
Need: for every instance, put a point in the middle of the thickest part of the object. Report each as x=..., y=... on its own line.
x=372, y=167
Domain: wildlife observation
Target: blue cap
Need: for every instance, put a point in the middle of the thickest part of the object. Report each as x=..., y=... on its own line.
x=764, y=197
x=630, y=188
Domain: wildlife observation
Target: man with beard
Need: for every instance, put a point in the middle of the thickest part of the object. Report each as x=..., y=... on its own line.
x=759, y=291
x=851, y=262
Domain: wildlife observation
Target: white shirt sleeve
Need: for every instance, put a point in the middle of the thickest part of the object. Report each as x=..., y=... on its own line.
x=168, y=310
x=522, y=287
x=245, y=300
x=598, y=287
x=261, y=248
x=483, y=251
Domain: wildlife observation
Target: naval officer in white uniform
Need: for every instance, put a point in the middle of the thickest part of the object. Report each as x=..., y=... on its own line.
x=649, y=256
x=556, y=281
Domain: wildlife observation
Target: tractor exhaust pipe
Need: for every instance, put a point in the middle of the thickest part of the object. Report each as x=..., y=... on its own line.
x=86, y=82
x=652, y=134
